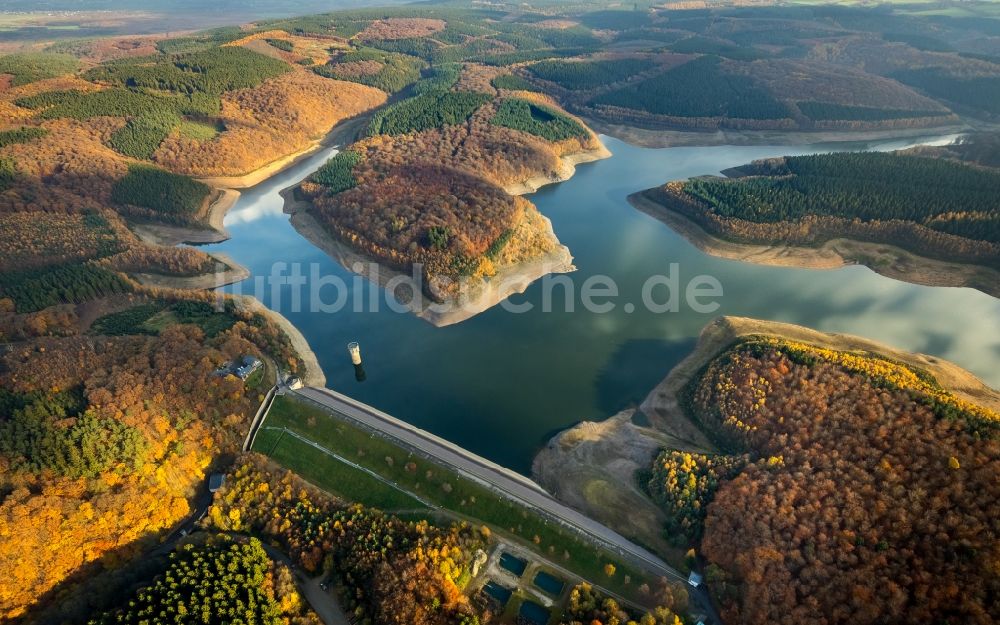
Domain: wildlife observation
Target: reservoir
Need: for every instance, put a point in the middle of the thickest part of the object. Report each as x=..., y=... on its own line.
x=501, y=383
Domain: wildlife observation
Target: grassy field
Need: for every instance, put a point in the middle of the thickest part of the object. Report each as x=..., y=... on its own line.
x=332, y=475
x=430, y=481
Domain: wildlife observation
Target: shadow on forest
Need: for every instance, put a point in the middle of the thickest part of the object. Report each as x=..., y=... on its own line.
x=96, y=586
x=103, y=583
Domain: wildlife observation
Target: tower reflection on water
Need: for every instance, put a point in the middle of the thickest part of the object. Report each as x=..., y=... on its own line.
x=355, y=351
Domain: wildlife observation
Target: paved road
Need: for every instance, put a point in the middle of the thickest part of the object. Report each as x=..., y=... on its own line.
x=262, y=411
x=201, y=502
x=509, y=483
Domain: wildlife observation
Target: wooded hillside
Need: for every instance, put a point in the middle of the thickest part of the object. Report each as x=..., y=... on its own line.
x=217, y=578
x=865, y=496
x=103, y=439
x=931, y=202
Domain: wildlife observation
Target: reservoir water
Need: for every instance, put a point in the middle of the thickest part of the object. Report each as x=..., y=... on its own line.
x=501, y=383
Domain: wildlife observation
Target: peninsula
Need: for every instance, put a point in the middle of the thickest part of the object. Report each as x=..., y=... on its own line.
x=927, y=216
x=776, y=413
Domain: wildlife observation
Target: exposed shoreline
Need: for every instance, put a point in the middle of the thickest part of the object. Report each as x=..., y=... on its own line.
x=665, y=138
x=567, y=168
x=662, y=407
x=592, y=467
x=261, y=174
x=227, y=195
x=227, y=271
x=579, y=464
x=339, y=133
x=508, y=281
x=214, y=232
x=226, y=190
x=343, y=131
x=882, y=258
x=313, y=374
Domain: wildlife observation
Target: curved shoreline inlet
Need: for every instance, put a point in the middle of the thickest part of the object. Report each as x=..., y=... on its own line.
x=440, y=202
x=787, y=412
x=435, y=377
x=925, y=215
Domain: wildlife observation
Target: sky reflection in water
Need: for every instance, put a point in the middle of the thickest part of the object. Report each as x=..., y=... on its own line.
x=501, y=383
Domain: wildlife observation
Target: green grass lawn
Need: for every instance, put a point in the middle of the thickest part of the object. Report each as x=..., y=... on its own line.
x=434, y=483
x=331, y=474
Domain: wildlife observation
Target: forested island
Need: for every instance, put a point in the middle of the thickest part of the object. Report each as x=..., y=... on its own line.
x=815, y=476
x=893, y=209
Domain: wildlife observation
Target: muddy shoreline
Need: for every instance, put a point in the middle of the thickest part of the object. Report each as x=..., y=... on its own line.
x=666, y=138
x=567, y=168
x=662, y=407
x=885, y=259
x=344, y=132
x=227, y=271
x=508, y=281
x=225, y=196
x=213, y=231
x=592, y=465
x=491, y=291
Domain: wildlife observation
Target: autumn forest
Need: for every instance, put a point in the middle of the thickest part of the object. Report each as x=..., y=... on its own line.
x=819, y=484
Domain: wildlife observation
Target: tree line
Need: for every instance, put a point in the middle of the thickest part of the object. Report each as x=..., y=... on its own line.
x=159, y=386
x=213, y=71
x=394, y=572
x=940, y=194
x=23, y=134
x=431, y=109
x=141, y=136
x=684, y=483
x=584, y=76
x=165, y=195
x=513, y=82
x=979, y=93
x=828, y=111
x=34, y=436
x=70, y=283
x=116, y=102
x=396, y=71
x=150, y=118
x=217, y=581
x=29, y=67
x=336, y=174
x=587, y=606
